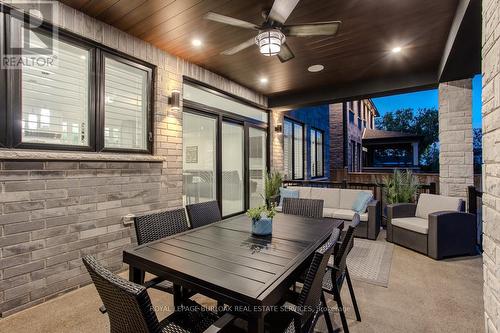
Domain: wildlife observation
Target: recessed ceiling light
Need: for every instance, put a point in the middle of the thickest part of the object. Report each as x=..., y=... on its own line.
x=316, y=68
x=263, y=80
x=396, y=49
x=196, y=42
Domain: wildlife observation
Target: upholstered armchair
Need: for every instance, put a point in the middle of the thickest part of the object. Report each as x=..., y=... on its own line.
x=435, y=226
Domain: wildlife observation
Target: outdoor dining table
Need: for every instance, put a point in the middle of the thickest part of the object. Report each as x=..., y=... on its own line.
x=224, y=261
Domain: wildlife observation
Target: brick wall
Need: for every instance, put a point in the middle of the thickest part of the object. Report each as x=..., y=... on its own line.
x=336, y=120
x=456, y=163
x=54, y=212
x=491, y=167
x=57, y=206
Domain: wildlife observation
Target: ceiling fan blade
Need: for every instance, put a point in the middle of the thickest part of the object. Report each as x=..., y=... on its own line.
x=285, y=53
x=239, y=47
x=282, y=9
x=329, y=28
x=230, y=21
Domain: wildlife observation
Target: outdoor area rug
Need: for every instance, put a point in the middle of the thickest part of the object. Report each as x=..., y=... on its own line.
x=370, y=261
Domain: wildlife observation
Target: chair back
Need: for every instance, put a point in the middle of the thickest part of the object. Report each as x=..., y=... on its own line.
x=310, y=294
x=155, y=226
x=203, y=213
x=340, y=259
x=127, y=304
x=312, y=208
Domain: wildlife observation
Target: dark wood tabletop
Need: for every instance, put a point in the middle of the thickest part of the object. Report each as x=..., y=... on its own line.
x=225, y=262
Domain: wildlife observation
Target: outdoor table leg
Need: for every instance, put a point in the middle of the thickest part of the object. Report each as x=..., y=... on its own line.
x=256, y=324
x=136, y=275
x=178, y=295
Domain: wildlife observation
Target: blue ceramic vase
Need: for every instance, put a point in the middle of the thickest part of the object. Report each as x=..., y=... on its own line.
x=262, y=226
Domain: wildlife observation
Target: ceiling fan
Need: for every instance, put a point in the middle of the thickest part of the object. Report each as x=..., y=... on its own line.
x=272, y=34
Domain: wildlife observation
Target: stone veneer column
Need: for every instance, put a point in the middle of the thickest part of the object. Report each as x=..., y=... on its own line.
x=456, y=168
x=491, y=167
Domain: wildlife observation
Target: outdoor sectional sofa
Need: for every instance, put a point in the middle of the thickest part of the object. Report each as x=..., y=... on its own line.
x=338, y=203
x=435, y=226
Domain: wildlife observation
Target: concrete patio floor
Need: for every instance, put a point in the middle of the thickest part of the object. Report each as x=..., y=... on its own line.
x=424, y=295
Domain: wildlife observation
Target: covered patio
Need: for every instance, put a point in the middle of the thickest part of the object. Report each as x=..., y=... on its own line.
x=157, y=106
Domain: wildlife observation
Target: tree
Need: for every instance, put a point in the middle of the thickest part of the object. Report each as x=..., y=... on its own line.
x=477, y=143
x=424, y=122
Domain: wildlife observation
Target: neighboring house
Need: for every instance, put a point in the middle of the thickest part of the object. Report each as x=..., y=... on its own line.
x=384, y=150
x=348, y=120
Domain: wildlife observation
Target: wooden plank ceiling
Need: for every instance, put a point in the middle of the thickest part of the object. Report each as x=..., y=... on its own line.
x=361, y=51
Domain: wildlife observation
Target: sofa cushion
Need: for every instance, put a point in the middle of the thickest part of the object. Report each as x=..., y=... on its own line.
x=347, y=214
x=430, y=203
x=287, y=193
x=330, y=196
x=416, y=224
x=348, y=197
x=304, y=192
x=328, y=212
x=362, y=201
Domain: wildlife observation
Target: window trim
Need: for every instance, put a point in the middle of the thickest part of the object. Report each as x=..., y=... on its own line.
x=13, y=91
x=316, y=132
x=295, y=122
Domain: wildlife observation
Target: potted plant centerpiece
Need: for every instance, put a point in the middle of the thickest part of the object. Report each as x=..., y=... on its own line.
x=262, y=220
x=262, y=217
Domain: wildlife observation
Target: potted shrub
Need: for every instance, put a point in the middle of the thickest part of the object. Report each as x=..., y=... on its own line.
x=262, y=220
x=401, y=187
x=272, y=184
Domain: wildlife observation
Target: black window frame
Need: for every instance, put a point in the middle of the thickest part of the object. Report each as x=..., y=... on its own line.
x=295, y=122
x=100, y=142
x=318, y=132
x=12, y=112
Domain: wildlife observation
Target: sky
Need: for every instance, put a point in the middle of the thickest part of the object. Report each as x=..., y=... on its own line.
x=429, y=99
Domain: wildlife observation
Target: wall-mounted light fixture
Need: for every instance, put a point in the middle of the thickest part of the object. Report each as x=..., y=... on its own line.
x=278, y=128
x=175, y=100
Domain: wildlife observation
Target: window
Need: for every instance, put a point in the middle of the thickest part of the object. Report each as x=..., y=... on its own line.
x=55, y=102
x=317, y=151
x=359, y=123
x=293, y=149
x=203, y=96
x=88, y=99
x=126, y=104
x=351, y=117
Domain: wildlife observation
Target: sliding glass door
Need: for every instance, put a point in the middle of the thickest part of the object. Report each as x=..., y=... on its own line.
x=257, y=146
x=225, y=158
x=233, y=164
x=199, y=142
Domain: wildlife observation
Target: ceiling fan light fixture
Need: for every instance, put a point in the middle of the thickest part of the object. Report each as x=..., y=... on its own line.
x=270, y=41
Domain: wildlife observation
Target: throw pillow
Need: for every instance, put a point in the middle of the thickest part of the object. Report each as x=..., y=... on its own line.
x=361, y=202
x=287, y=193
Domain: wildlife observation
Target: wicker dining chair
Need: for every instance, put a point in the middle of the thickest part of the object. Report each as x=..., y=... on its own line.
x=151, y=227
x=130, y=310
x=303, y=207
x=299, y=312
x=203, y=213
x=337, y=273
